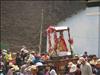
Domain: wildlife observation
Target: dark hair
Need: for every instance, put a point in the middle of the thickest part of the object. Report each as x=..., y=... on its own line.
x=40, y=68
x=78, y=65
x=52, y=67
x=85, y=52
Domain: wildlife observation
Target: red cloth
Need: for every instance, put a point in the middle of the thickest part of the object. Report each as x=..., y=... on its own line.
x=50, y=29
x=70, y=41
x=56, y=40
x=62, y=41
x=49, y=40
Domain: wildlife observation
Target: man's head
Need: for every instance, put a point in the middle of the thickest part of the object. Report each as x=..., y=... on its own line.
x=94, y=58
x=85, y=52
x=98, y=63
x=33, y=52
x=72, y=67
x=70, y=64
x=82, y=60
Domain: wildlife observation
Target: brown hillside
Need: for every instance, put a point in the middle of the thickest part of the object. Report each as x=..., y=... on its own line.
x=21, y=20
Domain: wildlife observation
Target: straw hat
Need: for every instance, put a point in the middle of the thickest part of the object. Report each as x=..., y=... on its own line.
x=98, y=61
x=33, y=67
x=30, y=68
x=32, y=52
x=15, y=67
x=10, y=57
x=92, y=62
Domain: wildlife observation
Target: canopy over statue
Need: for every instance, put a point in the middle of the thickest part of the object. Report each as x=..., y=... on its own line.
x=59, y=41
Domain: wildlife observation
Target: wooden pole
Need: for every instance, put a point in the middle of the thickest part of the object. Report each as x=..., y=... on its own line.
x=40, y=43
x=69, y=42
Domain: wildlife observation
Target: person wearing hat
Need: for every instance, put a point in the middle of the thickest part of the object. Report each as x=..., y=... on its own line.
x=52, y=70
x=31, y=69
x=85, y=67
x=32, y=56
x=78, y=70
x=13, y=68
x=98, y=67
x=93, y=61
x=40, y=70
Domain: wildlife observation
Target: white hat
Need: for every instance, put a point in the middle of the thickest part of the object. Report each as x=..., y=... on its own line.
x=39, y=64
x=15, y=67
x=32, y=51
x=26, y=51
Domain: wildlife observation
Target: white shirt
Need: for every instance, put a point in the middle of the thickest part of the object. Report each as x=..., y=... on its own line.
x=53, y=72
x=24, y=50
x=31, y=57
x=86, y=69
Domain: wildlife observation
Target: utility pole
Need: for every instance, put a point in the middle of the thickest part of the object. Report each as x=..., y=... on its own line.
x=40, y=43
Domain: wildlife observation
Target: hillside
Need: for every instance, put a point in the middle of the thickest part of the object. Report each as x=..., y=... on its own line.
x=21, y=20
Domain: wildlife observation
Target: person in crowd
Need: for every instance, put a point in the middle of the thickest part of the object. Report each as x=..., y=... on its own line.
x=7, y=58
x=98, y=67
x=32, y=56
x=45, y=57
x=85, y=67
x=1, y=64
x=72, y=68
x=24, y=49
x=53, y=70
x=10, y=71
x=27, y=70
x=24, y=52
x=18, y=60
x=94, y=60
x=47, y=71
x=93, y=63
x=23, y=67
x=26, y=58
x=12, y=68
x=66, y=70
x=85, y=55
x=78, y=70
x=37, y=58
x=40, y=70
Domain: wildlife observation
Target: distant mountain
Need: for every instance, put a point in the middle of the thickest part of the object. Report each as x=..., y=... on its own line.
x=21, y=20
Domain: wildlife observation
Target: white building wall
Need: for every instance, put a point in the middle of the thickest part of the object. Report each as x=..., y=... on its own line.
x=85, y=30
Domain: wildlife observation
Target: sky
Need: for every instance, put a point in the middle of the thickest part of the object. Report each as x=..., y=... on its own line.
x=84, y=28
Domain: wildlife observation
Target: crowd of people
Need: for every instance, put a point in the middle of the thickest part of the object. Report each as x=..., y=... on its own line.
x=32, y=63
x=22, y=62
